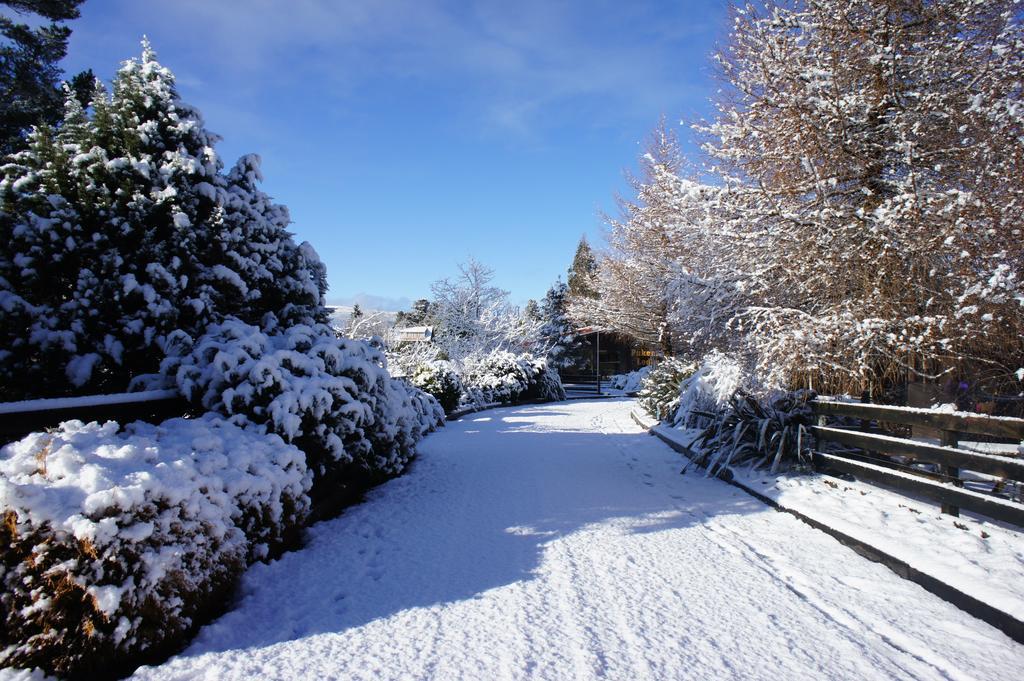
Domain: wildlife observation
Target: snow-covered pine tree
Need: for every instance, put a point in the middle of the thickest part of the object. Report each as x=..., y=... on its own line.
x=119, y=228
x=583, y=271
x=30, y=92
x=876, y=149
x=557, y=336
x=532, y=310
x=255, y=265
x=419, y=313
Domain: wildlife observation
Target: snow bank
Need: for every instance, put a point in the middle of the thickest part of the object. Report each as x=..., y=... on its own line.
x=115, y=543
x=978, y=557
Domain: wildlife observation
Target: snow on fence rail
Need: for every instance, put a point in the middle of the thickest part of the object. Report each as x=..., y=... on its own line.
x=20, y=418
x=945, y=487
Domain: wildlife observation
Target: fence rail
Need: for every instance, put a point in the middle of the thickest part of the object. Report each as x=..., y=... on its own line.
x=959, y=422
x=20, y=418
x=948, y=456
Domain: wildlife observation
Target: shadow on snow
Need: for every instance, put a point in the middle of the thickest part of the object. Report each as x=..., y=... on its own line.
x=475, y=512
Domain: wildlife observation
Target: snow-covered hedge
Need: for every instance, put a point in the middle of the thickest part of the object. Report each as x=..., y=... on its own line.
x=429, y=412
x=494, y=377
x=660, y=389
x=440, y=379
x=333, y=398
x=498, y=376
x=113, y=544
x=501, y=376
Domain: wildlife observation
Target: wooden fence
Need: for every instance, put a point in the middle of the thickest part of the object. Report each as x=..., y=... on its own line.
x=895, y=461
x=21, y=418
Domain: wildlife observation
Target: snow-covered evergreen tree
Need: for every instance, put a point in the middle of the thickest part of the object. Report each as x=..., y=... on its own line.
x=273, y=273
x=583, y=271
x=420, y=313
x=30, y=53
x=119, y=228
x=557, y=336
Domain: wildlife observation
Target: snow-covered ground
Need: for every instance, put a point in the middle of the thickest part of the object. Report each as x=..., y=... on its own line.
x=559, y=541
x=977, y=556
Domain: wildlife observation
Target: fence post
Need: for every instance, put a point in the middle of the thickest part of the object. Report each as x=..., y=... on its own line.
x=950, y=439
x=822, y=421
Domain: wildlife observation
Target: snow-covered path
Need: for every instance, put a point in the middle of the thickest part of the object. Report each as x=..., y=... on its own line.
x=560, y=542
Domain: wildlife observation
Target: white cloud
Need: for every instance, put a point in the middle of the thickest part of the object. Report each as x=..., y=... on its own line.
x=515, y=65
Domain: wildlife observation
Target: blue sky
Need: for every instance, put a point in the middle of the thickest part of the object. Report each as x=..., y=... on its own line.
x=408, y=135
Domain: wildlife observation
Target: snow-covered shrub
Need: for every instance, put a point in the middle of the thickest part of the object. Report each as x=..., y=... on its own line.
x=429, y=412
x=473, y=398
x=542, y=381
x=331, y=397
x=770, y=430
x=629, y=383
x=659, y=393
x=709, y=389
x=440, y=379
x=404, y=357
x=113, y=544
x=499, y=376
x=120, y=227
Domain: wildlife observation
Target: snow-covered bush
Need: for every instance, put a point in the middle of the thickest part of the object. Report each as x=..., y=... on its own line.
x=332, y=397
x=629, y=383
x=120, y=227
x=709, y=389
x=483, y=379
x=113, y=544
x=440, y=379
x=499, y=376
x=659, y=393
x=542, y=381
x=429, y=412
x=765, y=431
